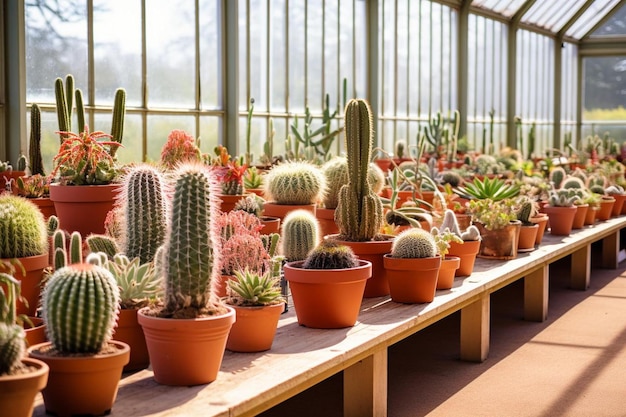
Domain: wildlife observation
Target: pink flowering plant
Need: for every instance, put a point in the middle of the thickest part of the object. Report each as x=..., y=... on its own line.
x=180, y=146
x=242, y=245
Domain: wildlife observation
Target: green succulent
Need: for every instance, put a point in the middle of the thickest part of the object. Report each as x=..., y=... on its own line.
x=494, y=189
x=254, y=289
x=139, y=283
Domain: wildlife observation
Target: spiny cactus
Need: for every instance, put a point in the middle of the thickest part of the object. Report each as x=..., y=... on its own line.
x=556, y=176
x=331, y=255
x=562, y=198
x=300, y=232
x=117, y=124
x=295, y=183
x=450, y=177
x=22, y=228
x=572, y=182
x=80, y=308
x=80, y=110
x=52, y=225
x=144, y=207
x=399, y=149
x=102, y=243
x=359, y=214
x=414, y=243
x=12, y=346
x=526, y=210
x=250, y=204
x=190, y=250
x=64, y=98
x=336, y=173
x=34, y=147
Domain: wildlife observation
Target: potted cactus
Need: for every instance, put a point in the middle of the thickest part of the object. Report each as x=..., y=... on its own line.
x=300, y=235
x=561, y=210
x=21, y=378
x=8, y=175
x=230, y=172
x=80, y=304
x=23, y=235
x=413, y=267
x=498, y=225
x=469, y=246
x=526, y=208
x=327, y=286
x=186, y=334
x=449, y=263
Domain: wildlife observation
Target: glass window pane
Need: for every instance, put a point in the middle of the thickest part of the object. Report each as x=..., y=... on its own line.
x=505, y=7
x=278, y=56
x=590, y=17
x=210, y=133
x=160, y=126
x=211, y=56
x=132, y=147
x=297, y=40
x=615, y=25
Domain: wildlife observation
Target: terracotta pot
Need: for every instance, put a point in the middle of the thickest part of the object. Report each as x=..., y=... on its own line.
x=372, y=251
x=270, y=225
x=31, y=282
x=447, y=270
x=499, y=243
x=18, y=392
x=590, y=216
x=326, y=219
x=383, y=163
x=464, y=221
x=36, y=333
x=330, y=298
x=45, y=205
x=618, y=205
x=130, y=332
x=9, y=177
x=186, y=351
x=541, y=220
x=527, y=237
x=254, y=328
x=623, y=208
x=579, y=217
x=258, y=191
x=228, y=201
x=83, y=208
x=82, y=385
x=466, y=252
x=605, y=210
x=412, y=280
x=281, y=210
x=560, y=219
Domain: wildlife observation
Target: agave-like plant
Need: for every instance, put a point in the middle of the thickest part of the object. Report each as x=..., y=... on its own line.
x=138, y=283
x=494, y=189
x=254, y=289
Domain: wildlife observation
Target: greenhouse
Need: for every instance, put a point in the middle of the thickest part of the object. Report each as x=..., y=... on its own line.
x=194, y=160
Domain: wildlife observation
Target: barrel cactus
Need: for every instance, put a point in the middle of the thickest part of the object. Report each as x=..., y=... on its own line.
x=80, y=308
x=331, y=255
x=300, y=232
x=414, y=243
x=23, y=229
x=336, y=173
x=573, y=182
x=359, y=214
x=557, y=175
x=295, y=183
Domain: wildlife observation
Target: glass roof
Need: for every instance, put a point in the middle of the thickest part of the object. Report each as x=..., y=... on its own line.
x=554, y=15
x=615, y=25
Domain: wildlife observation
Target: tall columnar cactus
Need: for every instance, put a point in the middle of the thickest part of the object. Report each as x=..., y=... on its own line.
x=414, y=243
x=80, y=110
x=34, y=148
x=117, y=124
x=296, y=183
x=144, y=208
x=300, y=232
x=22, y=228
x=359, y=214
x=190, y=250
x=80, y=308
x=64, y=98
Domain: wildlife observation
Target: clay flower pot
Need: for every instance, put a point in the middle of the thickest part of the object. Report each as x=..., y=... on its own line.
x=561, y=219
x=130, y=332
x=590, y=216
x=412, y=280
x=527, y=237
x=270, y=225
x=447, y=270
x=254, y=328
x=17, y=392
x=228, y=201
x=36, y=333
x=499, y=243
x=31, y=282
x=45, y=205
x=606, y=208
x=326, y=219
x=272, y=209
x=618, y=205
x=579, y=217
x=327, y=298
x=541, y=219
x=466, y=252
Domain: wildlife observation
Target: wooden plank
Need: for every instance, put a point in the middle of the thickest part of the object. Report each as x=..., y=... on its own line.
x=610, y=251
x=536, y=291
x=580, y=270
x=475, y=330
x=365, y=387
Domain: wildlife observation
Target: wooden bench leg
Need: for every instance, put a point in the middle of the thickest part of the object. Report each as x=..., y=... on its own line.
x=580, y=270
x=365, y=387
x=536, y=291
x=610, y=251
x=475, y=330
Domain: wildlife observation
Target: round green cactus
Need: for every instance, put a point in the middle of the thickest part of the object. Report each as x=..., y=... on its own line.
x=557, y=175
x=414, y=243
x=572, y=182
x=80, y=307
x=295, y=183
x=12, y=346
x=23, y=230
x=300, y=232
x=331, y=255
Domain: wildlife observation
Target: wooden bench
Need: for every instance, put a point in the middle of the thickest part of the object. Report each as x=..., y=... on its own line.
x=301, y=357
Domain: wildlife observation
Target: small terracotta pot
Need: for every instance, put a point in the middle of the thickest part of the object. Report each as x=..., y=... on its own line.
x=499, y=243
x=561, y=219
x=82, y=385
x=272, y=209
x=590, y=216
x=37, y=333
x=31, y=282
x=527, y=237
x=464, y=221
x=412, y=280
x=542, y=221
x=466, y=252
x=270, y=225
x=618, y=205
x=579, y=217
x=7, y=177
x=447, y=270
x=383, y=163
x=605, y=210
x=186, y=351
x=130, y=332
x=327, y=298
x=228, y=201
x=17, y=392
x=258, y=191
x=326, y=219
x=254, y=328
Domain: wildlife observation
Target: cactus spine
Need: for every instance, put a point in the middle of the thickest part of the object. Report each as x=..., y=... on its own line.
x=359, y=214
x=23, y=229
x=34, y=148
x=80, y=307
x=296, y=183
x=145, y=212
x=414, y=243
x=331, y=255
x=117, y=124
x=190, y=252
x=102, y=243
x=300, y=234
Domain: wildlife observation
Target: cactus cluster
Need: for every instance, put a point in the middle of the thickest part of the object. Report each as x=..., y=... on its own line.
x=295, y=183
x=80, y=308
x=359, y=214
x=563, y=198
x=331, y=255
x=414, y=243
x=22, y=228
x=250, y=204
x=300, y=233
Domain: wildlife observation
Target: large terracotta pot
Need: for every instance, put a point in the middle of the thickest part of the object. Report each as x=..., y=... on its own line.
x=82, y=385
x=17, y=392
x=466, y=252
x=254, y=328
x=579, y=217
x=412, y=280
x=186, y=351
x=326, y=220
x=83, y=208
x=619, y=203
x=228, y=201
x=130, y=332
x=561, y=219
x=541, y=220
x=31, y=282
x=447, y=270
x=527, y=237
x=606, y=208
x=372, y=251
x=281, y=210
x=499, y=243
x=45, y=205
x=327, y=298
